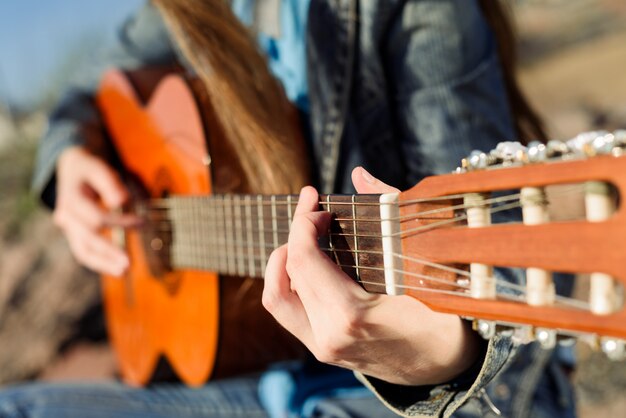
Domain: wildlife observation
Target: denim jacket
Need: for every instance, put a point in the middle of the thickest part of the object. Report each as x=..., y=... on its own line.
x=405, y=88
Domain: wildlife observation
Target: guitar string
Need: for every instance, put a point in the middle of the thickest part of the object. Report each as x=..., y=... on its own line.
x=500, y=282
x=505, y=198
x=414, y=216
x=165, y=226
x=247, y=245
x=564, y=300
x=419, y=214
x=569, y=302
x=165, y=202
x=180, y=205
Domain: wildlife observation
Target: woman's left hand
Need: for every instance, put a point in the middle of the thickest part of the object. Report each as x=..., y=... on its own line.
x=394, y=338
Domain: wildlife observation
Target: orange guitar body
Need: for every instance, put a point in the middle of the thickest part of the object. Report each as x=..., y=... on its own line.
x=175, y=314
x=145, y=319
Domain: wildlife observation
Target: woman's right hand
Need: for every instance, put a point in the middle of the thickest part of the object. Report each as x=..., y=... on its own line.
x=88, y=191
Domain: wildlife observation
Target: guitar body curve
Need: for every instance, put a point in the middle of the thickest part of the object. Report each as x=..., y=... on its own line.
x=204, y=325
x=145, y=317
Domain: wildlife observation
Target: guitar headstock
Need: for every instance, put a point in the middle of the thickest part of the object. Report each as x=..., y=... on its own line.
x=515, y=207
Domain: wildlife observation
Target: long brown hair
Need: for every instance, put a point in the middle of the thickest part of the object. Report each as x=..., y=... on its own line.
x=251, y=106
x=528, y=124
x=249, y=102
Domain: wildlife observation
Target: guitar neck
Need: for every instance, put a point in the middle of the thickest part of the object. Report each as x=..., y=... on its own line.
x=235, y=234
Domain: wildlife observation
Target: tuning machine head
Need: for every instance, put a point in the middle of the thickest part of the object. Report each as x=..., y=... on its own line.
x=510, y=152
x=614, y=349
x=537, y=152
x=476, y=160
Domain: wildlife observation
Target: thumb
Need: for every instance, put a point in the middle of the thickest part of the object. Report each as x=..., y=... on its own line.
x=364, y=182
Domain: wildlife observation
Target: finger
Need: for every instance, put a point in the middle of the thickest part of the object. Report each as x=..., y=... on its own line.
x=308, y=204
x=96, y=252
x=106, y=183
x=364, y=182
x=314, y=276
x=280, y=301
x=83, y=210
x=123, y=220
x=307, y=201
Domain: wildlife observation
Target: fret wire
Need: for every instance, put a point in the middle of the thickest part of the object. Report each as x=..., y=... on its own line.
x=289, y=220
x=261, y=233
x=251, y=261
x=208, y=233
x=330, y=238
x=200, y=235
x=356, y=240
x=232, y=269
x=220, y=231
x=274, y=225
x=241, y=267
x=191, y=211
x=219, y=262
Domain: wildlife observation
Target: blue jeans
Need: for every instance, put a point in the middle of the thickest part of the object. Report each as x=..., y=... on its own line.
x=231, y=398
x=228, y=398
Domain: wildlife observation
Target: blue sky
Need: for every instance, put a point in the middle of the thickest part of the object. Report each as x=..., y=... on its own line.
x=37, y=35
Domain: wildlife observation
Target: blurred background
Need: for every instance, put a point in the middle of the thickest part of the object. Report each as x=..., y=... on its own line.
x=572, y=66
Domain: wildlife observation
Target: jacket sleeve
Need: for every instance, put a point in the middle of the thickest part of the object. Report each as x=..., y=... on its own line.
x=141, y=41
x=448, y=98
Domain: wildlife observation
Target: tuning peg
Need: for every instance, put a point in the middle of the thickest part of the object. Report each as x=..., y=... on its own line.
x=556, y=148
x=537, y=152
x=614, y=349
x=509, y=152
x=546, y=337
x=486, y=329
x=619, y=142
x=603, y=144
x=477, y=160
x=583, y=144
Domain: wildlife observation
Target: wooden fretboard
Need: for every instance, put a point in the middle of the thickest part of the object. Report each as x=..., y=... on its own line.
x=235, y=234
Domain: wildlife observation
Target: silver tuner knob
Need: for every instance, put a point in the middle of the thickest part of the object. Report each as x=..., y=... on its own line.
x=486, y=329
x=537, y=152
x=556, y=148
x=620, y=137
x=546, y=338
x=582, y=144
x=603, y=144
x=477, y=160
x=613, y=348
x=619, y=142
x=511, y=152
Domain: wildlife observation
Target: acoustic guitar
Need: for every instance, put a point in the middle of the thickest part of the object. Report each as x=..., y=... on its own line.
x=437, y=242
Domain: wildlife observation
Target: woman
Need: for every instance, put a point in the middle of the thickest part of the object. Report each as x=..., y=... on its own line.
x=404, y=88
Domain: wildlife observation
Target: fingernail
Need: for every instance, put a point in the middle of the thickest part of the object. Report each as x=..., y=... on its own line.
x=367, y=176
